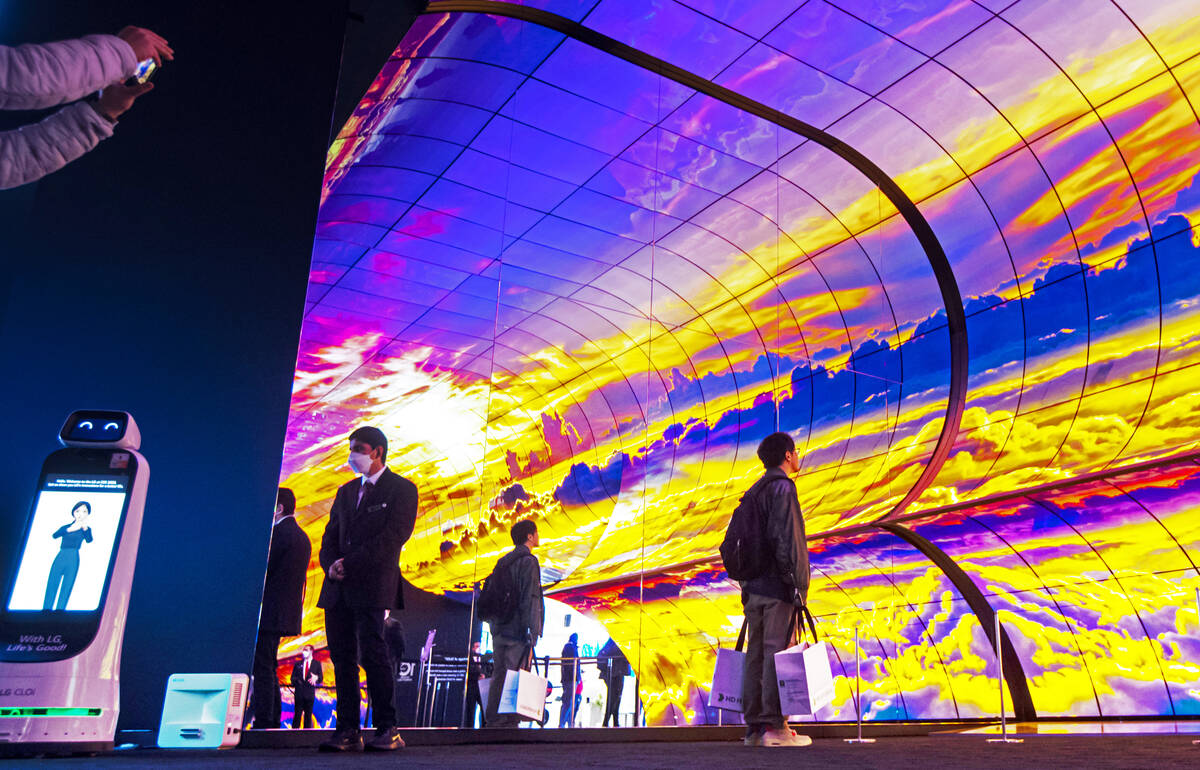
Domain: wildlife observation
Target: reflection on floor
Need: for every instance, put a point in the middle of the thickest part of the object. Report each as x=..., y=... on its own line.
x=1115, y=752
x=1086, y=728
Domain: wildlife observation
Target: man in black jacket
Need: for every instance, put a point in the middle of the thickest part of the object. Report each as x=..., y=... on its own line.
x=306, y=675
x=614, y=667
x=371, y=519
x=282, y=605
x=513, y=641
x=768, y=600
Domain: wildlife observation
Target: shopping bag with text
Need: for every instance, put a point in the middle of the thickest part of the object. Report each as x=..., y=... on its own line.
x=726, y=692
x=524, y=693
x=805, y=678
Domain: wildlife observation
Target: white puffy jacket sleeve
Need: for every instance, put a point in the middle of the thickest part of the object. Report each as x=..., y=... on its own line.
x=36, y=76
x=30, y=152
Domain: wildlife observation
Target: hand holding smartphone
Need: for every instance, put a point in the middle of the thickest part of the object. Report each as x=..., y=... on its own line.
x=142, y=73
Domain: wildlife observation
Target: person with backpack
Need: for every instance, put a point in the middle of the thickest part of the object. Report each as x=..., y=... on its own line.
x=614, y=667
x=511, y=604
x=774, y=575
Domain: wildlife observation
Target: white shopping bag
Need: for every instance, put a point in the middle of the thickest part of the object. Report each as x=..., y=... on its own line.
x=726, y=692
x=524, y=693
x=805, y=678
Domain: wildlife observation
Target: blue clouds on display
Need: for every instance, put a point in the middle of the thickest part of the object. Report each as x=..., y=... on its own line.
x=590, y=484
x=1067, y=306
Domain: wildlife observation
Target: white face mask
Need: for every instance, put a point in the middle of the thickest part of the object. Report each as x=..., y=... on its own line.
x=360, y=463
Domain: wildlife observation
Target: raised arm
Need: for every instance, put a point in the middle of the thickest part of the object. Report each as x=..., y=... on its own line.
x=34, y=76
x=31, y=152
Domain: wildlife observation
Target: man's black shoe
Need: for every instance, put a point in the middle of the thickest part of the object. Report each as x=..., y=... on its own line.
x=343, y=740
x=386, y=739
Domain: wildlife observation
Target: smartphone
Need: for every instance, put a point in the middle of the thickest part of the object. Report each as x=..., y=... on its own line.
x=144, y=71
x=58, y=587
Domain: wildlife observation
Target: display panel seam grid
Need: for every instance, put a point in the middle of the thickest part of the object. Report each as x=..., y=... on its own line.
x=924, y=234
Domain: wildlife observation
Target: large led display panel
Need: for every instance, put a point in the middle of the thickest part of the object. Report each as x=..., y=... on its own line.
x=576, y=258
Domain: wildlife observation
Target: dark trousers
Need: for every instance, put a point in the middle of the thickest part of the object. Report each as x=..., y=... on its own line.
x=767, y=622
x=351, y=631
x=303, y=709
x=612, y=706
x=267, y=700
x=570, y=706
x=474, y=701
x=62, y=573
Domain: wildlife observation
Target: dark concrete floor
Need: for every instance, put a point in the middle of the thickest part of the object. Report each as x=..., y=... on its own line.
x=1093, y=752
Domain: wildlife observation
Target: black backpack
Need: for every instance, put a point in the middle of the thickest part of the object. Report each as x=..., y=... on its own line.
x=498, y=599
x=744, y=550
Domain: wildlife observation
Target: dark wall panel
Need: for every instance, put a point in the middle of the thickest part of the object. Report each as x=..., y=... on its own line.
x=164, y=273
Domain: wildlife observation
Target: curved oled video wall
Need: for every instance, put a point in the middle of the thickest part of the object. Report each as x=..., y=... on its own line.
x=577, y=257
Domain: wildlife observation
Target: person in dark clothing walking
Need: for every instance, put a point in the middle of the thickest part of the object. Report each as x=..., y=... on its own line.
x=282, y=605
x=393, y=637
x=474, y=701
x=768, y=600
x=514, y=640
x=614, y=667
x=371, y=519
x=571, y=679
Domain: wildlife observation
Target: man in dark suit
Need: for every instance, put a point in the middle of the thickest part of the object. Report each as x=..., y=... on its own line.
x=371, y=519
x=282, y=605
x=306, y=675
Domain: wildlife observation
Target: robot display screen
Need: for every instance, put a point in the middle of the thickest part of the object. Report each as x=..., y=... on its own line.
x=99, y=426
x=65, y=560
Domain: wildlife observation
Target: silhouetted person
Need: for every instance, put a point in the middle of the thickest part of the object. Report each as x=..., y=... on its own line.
x=306, y=675
x=393, y=637
x=371, y=519
x=614, y=667
x=282, y=605
x=571, y=679
x=474, y=701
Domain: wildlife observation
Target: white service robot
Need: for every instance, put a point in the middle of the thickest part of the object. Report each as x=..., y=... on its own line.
x=63, y=615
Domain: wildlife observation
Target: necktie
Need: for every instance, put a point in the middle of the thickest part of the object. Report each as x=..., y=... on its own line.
x=306, y=670
x=366, y=490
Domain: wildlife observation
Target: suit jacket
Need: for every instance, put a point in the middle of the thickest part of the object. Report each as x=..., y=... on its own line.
x=368, y=537
x=302, y=688
x=287, y=572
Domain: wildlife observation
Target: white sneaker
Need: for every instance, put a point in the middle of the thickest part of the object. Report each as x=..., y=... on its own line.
x=784, y=737
x=777, y=737
x=753, y=739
